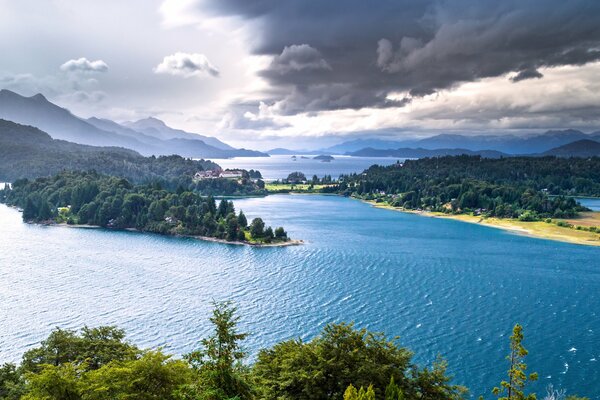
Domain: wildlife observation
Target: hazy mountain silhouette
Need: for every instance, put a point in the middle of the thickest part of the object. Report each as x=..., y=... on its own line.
x=580, y=148
x=155, y=139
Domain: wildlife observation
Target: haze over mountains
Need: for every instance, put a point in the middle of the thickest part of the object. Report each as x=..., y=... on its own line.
x=148, y=136
x=151, y=136
x=452, y=144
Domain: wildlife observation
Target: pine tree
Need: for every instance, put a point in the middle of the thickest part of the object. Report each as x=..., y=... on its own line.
x=513, y=389
x=219, y=361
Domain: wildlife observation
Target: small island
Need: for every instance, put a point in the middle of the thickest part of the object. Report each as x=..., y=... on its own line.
x=324, y=158
x=93, y=200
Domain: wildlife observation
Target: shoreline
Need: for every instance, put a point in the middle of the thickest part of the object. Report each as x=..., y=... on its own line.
x=290, y=242
x=537, y=229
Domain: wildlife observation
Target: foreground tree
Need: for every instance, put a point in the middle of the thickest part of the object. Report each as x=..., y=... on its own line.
x=514, y=388
x=341, y=356
x=220, y=372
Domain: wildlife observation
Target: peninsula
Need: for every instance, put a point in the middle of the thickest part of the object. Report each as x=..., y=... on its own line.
x=91, y=199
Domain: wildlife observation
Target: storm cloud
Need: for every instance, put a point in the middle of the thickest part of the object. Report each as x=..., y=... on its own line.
x=356, y=53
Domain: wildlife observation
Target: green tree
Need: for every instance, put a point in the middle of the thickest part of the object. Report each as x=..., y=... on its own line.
x=154, y=376
x=53, y=383
x=11, y=383
x=280, y=234
x=242, y=221
x=221, y=374
x=233, y=227
x=94, y=347
x=514, y=388
x=257, y=228
x=327, y=365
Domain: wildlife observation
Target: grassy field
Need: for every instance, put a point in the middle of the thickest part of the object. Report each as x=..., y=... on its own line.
x=295, y=188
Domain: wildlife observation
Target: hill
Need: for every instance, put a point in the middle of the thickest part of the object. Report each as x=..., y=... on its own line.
x=156, y=128
x=27, y=152
x=422, y=153
x=580, y=148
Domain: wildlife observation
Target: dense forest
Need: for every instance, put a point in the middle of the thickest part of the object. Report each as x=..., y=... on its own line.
x=341, y=363
x=27, y=152
x=100, y=200
x=525, y=187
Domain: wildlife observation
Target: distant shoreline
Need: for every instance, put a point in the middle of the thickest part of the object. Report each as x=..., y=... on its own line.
x=538, y=229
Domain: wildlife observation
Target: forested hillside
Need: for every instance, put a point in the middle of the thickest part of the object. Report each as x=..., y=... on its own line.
x=27, y=152
x=505, y=187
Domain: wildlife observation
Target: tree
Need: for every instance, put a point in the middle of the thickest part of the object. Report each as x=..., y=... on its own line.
x=242, y=221
x=53, y=382
x=232, y=226
x=257, y=228
x=221, y=374
x=513, y=389
x=11, y=383
x=280, y=234
x=94, y=347
x=30, y=211
x=154, y=376
x=296, y=177
x=324, y=367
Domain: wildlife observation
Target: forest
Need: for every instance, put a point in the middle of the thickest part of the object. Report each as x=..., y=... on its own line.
x=518, y=187
x=341, y=363
x=27, y=152
x=89, y=198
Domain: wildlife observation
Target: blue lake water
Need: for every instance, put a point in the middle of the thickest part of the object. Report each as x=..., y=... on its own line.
x=590, y=202
x=278, y=167
x=443, y=286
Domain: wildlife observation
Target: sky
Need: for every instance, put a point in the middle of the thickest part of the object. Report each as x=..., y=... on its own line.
x=305, y=73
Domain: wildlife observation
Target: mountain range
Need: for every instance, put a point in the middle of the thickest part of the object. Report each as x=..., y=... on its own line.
x=506, y=144
x=148, y=136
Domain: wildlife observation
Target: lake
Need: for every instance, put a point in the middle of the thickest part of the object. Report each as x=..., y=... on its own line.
x=590, y=202
x=443, y=286
x=279, y=167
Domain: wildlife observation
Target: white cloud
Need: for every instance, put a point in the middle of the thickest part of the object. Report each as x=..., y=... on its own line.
x=84, y=65
x=186, y=65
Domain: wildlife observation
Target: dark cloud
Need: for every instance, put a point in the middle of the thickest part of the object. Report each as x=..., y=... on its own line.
x=527, y=74
x=374, y=49
x=297, y=58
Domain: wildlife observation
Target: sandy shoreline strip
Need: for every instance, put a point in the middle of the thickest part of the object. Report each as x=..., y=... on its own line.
x=538, y=229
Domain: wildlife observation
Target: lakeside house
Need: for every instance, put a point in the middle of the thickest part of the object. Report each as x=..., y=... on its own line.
x=232, y=174
x=218, y=173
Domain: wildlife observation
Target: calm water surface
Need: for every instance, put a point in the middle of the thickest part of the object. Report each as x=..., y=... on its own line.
x=590, y=202
x=445, y=287
x=278, y=167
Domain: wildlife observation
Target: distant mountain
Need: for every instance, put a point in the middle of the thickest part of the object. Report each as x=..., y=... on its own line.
x=359, y=144
x=580, y=148
x=155, y=127
x=190, y=146
x=156, y=139
x=280, y=151
x=422, y=153
x=509, y=144
x=59, y=122
x=27, y=152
